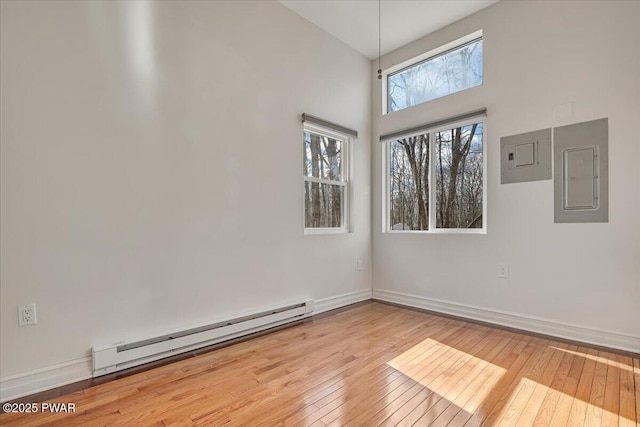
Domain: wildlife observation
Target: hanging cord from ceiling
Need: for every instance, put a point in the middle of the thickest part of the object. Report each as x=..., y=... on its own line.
x=379, y=40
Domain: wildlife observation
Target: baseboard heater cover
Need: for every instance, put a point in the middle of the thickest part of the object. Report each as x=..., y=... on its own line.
x=119, y=356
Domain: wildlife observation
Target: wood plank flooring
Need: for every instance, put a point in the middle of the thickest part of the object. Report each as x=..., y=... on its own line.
x=372, y=365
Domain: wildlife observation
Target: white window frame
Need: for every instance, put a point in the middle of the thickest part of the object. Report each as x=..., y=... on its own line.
x=423, y=57
x=386, y=148
x=345, y=183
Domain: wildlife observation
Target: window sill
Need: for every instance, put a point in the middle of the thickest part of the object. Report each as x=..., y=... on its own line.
x=312, y=231
x=440, y=231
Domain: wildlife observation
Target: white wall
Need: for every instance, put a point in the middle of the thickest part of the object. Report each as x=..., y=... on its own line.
x=152, y=169
x=538, y=55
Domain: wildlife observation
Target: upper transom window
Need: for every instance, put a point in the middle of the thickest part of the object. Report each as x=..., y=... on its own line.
x=449, y=69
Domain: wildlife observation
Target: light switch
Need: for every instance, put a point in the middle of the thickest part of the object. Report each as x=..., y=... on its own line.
x=525, y=154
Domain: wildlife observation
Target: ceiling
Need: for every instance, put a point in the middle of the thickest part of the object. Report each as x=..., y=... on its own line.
x=355, y=22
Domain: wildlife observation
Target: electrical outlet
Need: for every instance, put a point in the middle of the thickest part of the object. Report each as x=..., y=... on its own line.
x=27, y=315
x=503, y=271
x=358, y=265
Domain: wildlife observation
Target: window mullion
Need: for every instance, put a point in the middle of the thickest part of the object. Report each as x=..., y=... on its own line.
x=387, y=167
x=432, y=181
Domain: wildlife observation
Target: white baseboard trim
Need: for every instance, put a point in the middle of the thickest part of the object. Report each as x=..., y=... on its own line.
x=331, y=303
x=513, y=320
x=37, y=380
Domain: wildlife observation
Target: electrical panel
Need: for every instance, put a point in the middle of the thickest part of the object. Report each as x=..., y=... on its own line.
x=581, y=179
x=526, y=157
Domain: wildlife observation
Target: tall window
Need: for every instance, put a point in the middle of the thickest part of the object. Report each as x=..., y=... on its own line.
x=435, y=180
x=325, y=180
x=446, y=70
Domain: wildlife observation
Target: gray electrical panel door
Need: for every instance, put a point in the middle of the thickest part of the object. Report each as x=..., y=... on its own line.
x=581, y=172
x=525, y=157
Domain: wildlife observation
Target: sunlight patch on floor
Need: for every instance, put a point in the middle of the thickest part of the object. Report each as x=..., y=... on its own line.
x=457, y=376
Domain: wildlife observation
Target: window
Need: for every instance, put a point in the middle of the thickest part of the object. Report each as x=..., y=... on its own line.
x=446, y=70
x=325, y=180
x=435, y=180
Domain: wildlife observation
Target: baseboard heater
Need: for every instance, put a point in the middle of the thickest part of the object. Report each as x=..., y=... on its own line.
x=119, y=356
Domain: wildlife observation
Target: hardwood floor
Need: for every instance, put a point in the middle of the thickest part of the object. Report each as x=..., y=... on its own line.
x=371, y=365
